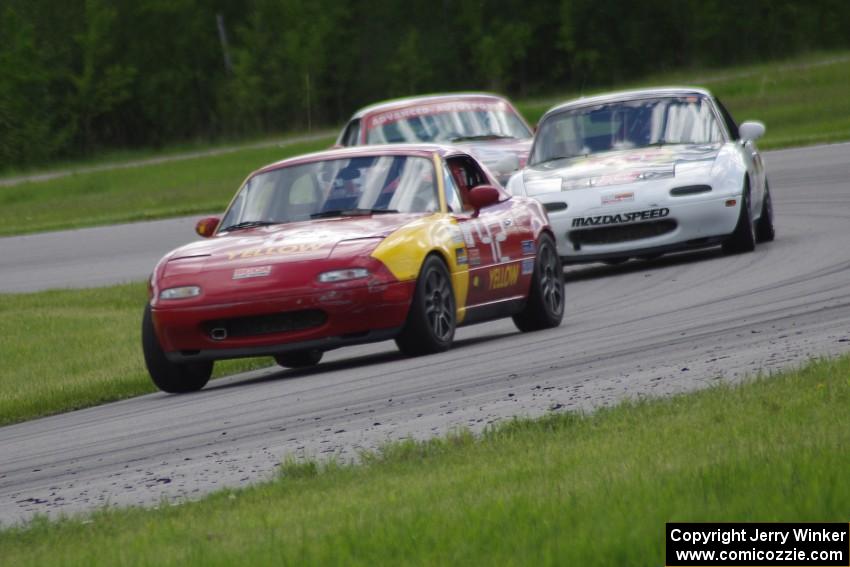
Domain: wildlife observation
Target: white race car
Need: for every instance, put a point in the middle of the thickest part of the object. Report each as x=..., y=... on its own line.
x=642, y=173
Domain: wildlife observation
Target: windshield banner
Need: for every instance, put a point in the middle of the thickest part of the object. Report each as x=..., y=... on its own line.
x=436, y=108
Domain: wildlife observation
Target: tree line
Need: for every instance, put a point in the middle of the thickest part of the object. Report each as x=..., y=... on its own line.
x=78, y=76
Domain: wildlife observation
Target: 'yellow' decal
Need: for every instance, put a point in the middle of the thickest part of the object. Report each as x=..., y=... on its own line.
x=503, y=277
x=274, y=250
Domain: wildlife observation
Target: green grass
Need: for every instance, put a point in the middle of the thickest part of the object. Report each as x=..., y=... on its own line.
x=69, y=349
x=802, y=101
x=197, y=185
x=107, y=156
x=563, y=490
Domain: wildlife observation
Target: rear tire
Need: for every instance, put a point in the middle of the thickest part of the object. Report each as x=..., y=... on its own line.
x=544, y=307
x=764, y=226
x=299, y=359
x=171, y=377
x=431, y=321
x=744, y=237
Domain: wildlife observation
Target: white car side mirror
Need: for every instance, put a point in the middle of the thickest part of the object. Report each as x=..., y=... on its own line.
x=508, y=163
x=751, y=130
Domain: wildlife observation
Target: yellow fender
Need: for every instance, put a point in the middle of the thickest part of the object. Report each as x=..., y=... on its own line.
x=404, y=251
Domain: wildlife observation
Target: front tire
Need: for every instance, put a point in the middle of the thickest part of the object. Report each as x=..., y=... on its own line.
x=744, y=237
x=300, y=359
x=764, y=226
x=432, y=319
x=544, y=307
x=171, y=377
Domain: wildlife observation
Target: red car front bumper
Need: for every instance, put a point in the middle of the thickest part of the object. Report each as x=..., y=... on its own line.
x=324, y=319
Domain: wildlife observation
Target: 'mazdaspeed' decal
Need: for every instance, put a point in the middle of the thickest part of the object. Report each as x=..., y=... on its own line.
x=621, y=218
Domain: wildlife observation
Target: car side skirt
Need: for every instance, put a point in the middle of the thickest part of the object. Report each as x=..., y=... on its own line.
x=493, y=310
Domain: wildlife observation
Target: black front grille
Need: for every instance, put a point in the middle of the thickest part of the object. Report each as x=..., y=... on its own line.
x=621, y=233
x=690, y=190
x=265, y=324
x=555, y=206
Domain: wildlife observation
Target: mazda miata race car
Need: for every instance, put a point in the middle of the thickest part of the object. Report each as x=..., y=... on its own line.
x=345, y=247
x=642, y=173
x=485, y=125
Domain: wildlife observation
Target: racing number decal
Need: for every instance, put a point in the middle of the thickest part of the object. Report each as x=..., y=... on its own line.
x=494, y=270
x=476, y=231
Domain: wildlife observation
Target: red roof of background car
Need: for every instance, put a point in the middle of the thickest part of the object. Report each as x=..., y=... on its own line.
x=412, y=101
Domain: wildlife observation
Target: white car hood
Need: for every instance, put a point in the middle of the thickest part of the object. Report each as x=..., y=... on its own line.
x=619, y=167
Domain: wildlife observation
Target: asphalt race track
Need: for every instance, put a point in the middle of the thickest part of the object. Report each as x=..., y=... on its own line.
x=639, y=329
x=89, y=257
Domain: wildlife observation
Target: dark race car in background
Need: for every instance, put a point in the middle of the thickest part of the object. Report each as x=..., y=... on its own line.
x=485, y=125
x=642, y=173
x=350, y=246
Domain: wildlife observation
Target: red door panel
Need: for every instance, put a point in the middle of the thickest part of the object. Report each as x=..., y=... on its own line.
x=494, y=251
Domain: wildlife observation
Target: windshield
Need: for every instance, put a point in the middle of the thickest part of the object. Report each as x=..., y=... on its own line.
x=338, y=187
x=453, y=121
x=624, y=125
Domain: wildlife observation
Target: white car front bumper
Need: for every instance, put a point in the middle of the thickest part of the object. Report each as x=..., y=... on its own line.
x=653, y=223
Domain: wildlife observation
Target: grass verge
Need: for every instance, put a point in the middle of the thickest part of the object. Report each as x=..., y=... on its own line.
x=69, y=349
x=169, y=189
x=107, y=157
x=563, y=490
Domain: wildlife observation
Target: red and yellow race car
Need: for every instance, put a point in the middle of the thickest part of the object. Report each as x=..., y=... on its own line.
x=350, y=246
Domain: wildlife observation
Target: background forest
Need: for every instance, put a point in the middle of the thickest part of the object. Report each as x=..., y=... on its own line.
x=79, y=76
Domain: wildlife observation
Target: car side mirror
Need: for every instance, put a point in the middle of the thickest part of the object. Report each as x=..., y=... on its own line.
x=206, y=226
x=483, y=196
x=751, y=130
x=506, y=164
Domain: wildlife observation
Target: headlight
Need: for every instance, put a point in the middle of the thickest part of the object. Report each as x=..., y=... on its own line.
x=344, y=275
x=183, y=292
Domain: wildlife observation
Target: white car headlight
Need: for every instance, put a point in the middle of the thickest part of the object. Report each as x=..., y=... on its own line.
x=344, y=275
x=183, y=292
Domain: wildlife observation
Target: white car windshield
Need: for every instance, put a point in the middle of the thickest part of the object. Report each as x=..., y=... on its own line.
x=625, y=125
x=336, y=187
x=446, y=122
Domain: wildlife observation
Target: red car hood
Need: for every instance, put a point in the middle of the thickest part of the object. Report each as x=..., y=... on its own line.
x=284, y=243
